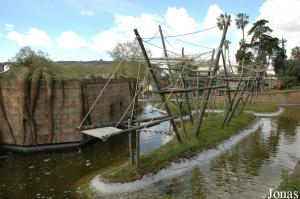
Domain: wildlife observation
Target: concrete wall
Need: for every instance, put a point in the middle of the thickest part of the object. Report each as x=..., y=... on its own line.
x=279, y=97
x=56, y=116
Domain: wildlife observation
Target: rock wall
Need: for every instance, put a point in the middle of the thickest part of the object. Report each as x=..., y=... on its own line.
x=279, y=97
x=49, y=112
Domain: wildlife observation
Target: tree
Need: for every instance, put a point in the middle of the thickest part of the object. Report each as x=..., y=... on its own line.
x=26, y=57
x=295, y=54
x=262, y=42
x=128, y=51
x=259, y=29
x=241, y=22
x=222, y=19
x=278, y=60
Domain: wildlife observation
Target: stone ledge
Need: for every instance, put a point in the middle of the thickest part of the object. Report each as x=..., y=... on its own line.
x=45, y=148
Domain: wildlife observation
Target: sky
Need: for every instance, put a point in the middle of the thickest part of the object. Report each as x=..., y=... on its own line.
x=83, y=30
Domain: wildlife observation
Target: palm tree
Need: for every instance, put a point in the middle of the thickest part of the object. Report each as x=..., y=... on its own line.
x=241, y=22
x=222, y=19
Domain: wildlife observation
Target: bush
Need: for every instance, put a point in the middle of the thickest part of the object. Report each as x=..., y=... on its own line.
x=288, y=82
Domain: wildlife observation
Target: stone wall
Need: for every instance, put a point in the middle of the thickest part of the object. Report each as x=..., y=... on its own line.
x=279, y=97
x=59, y=109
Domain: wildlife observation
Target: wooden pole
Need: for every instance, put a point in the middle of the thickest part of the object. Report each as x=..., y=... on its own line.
x=234, y=97
x=226, y=77
x=186, y=94
x=162, y=97
x=211, y=80
x=173, y=84
x=246, y=100
x=130, y=143
x=137, y=148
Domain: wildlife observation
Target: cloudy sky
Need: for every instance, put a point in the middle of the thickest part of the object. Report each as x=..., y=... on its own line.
x=87, y=29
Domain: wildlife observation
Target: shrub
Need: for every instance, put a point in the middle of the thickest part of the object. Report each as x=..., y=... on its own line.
x=288, y=82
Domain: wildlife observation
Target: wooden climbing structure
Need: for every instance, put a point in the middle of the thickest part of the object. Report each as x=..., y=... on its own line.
x=188, y=84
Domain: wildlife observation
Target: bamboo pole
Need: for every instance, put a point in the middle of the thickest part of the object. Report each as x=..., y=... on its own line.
x=211, y=80
x=137, y=148
x=184, y=86
x=131, y=156
x=162, y=97
x=173, y=84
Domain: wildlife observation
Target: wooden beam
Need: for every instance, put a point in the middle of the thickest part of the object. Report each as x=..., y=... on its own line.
x=210, y=81
x=173, y=84
x=167, y=91
x=163, y=99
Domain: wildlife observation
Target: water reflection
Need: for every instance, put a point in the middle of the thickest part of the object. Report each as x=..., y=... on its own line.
x=288, y=121
x=53, y=175
x=247, y=170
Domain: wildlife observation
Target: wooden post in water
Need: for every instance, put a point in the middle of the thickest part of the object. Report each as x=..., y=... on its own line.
x=137, y=148
x=130, y=143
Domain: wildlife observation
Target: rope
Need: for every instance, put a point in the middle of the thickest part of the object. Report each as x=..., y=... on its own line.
x=100, y=94
x=132, y=101
x=185, y=34
x=168, y=96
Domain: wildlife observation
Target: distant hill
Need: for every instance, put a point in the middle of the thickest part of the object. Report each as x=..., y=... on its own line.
x=89, y=63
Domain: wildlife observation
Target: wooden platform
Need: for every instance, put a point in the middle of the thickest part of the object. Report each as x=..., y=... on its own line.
x=103, y=133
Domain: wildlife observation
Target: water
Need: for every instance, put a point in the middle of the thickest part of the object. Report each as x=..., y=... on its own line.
x=246, y=170
x=54, y=175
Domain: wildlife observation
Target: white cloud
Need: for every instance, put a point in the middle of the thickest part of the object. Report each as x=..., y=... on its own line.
x=87, y=13
x=174, y=21
x=178, y=20
x=33, y=37
x=8, y=26
x=213, y=12
x=284, y=18
x=70, y=40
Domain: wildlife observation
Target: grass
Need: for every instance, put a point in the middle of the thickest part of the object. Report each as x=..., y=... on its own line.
x=290, y=182
x=261, y=107
x=211, y=135
x=257, y=107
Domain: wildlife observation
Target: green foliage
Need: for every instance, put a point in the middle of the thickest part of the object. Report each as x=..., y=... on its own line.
x=26, y=57
x=288, y=82
x=279, y=60
x=295, y=54
x=39, y=62
x=130, y=69
x=293, y=68
x=221, y=20
x=128, y=51
x=259, y=29
x=289, y=183
x=262, y=44
x=161, y=157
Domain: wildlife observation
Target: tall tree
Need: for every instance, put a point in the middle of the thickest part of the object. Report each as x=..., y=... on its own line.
x=262, y=42
x=222, y=19
x=259, y=29
x=241, y=22
x=295, y=54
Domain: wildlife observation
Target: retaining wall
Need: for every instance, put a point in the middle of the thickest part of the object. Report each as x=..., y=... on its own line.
x=53, y=117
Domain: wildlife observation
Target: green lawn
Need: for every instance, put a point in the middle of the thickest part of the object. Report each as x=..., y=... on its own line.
x=211, y=135
x=257, y=107
x=290, y=182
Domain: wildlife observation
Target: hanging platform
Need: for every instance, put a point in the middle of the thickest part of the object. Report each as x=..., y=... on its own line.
x=103, y=132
